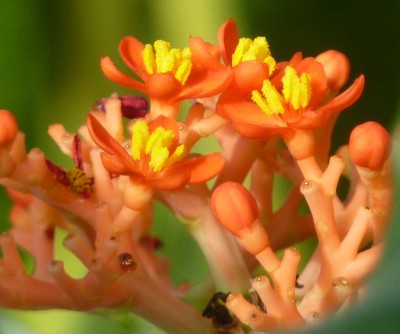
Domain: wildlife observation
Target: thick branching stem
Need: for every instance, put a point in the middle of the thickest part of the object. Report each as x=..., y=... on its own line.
x=220, y=249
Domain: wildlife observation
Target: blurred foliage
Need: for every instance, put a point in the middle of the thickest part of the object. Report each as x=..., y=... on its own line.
x=49, y=72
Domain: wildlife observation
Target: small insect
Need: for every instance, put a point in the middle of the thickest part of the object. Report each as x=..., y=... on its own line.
x=217, y=311
x=256, y=300
x=298, y=285
x=126, y=262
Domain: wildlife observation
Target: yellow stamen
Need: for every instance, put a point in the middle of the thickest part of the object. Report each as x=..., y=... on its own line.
x=176, y=156
x=159, y=138
x=163, y=59
x=156, y=145
x=79, y=182
x=158, y=157
x=270, y=61
x=162, y=50
x=140, y=136
x=183, y=71
x=149, y=59
x=296, y=90
x=270, y=99
x=257, y=49
x=241, y=48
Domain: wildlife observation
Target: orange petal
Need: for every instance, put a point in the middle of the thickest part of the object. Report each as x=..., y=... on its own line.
x=246, y=112
x=165, y=122
x=249, y=76
x=205, y=167
x=105, y=141
x=345, y=99
x=115, y=165
x=228, y=39
x=131, y=52
x=202, y=54
x=319, y=82
x=115, y=75
x=310, y=119
x=256, y=131
x=194, y=170
x=163, y=87
x=205, y=84
x=170, y=179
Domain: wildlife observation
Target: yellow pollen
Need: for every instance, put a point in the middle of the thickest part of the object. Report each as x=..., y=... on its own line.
x=155, y=145
x=296, y=90
x=140, y=135
x=158, y=157
x=257, y=49
x=270, y=101
x=149, y=59
x=159, y=138
x=79, y=182
x=176, y=156
x=161, y=58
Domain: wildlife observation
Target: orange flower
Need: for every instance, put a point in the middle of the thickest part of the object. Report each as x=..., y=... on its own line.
x=156, y=158
x=291, y=99
x=251, y=60
x=168, y=75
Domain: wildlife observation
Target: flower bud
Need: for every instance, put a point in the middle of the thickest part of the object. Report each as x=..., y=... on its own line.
x=234, y=206
x=134, y=106
x=336, y=67
x=131, y=106
x=8, y=127
x=369, y=145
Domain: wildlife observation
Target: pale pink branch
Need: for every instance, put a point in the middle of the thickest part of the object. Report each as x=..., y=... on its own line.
x=239, y=154
x=103, y=224
x=320, y=204
x=249, y=314
x=12, y=263
x=220, y=249
x=77, y=244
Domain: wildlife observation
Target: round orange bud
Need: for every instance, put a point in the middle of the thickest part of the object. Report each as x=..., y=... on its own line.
x=234, y=206
x=8, y=127
x=369, y=145
x=336, y=67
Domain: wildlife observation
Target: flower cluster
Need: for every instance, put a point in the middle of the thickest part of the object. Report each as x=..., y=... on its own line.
x=272, y=119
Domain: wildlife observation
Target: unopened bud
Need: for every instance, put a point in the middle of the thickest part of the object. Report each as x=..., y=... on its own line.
x=8, y=127
x=336, y=67
x=369, y=145
x=234, y=206
x=131, y=106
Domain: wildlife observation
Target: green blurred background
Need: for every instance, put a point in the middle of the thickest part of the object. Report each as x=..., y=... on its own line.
x=49, y=72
